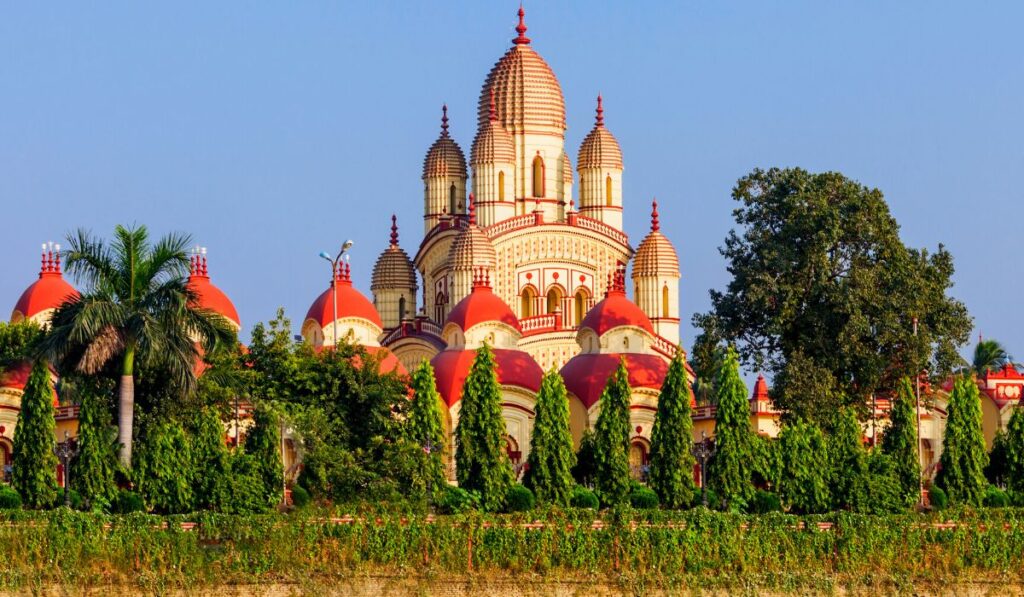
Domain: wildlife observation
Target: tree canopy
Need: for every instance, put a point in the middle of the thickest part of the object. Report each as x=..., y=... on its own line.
x=672, y=460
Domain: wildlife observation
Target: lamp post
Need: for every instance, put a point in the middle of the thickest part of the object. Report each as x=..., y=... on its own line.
x=702, y=450
x=334, y=283
x=65, y=451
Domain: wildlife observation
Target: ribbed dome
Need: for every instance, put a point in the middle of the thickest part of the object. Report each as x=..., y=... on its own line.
x=527, y=93
x=472, y=250
x=493, y=144
x=599, y=148
x=48, y=292
x=655, y=256
x=445, y=157
x=394, y=269
x=566, y=169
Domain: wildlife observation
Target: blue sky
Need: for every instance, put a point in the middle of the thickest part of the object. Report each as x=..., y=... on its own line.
x=272, y=131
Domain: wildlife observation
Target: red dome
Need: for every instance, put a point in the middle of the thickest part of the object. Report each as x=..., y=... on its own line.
x=48, y=292
x=351, y=303
x=481, y=306
x=616, y=310
x=17, y=376
x=515, y=368
x=587, y=374
x=210, y=297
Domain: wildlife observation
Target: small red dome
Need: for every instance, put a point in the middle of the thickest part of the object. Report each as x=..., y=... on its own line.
x=351, y=303
x=16, y=377
x=210, y=297
x=514, y=368
x=481, y=306
x=586, y=375
x=616, y=310
x=48, y=292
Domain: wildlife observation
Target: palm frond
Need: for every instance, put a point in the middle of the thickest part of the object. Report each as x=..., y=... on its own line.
x=104, y=347
x=168, y=260
x=130, y=249
x=89, y=261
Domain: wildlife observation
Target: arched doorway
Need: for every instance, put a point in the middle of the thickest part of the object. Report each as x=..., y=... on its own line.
x=580, y=306
x=639, y=455
x=527, y=300
x=554, y=299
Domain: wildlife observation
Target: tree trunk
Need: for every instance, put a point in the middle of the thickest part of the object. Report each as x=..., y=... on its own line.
x=126, y=409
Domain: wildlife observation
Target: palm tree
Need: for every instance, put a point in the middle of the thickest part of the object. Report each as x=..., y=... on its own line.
x=988, y=355
x=135, y=310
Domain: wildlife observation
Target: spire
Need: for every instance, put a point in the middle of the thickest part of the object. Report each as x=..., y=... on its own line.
x=50, y=259
x=521, y=29
x=197, y=263
x=444, y=120
x=481, y=278
x=600, y=111
x=394, y=230
x=345, y=271
x=472, y=210
x=760, y=389
x=655, y=224
x=494, y=111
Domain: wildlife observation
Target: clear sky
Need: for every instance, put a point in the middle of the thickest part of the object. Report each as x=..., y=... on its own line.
x=274, y=130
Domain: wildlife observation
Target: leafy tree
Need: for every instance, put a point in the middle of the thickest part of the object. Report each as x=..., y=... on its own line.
x=586, y=467
x=672, y=458
x=481, y=461
x=164, y=469
x=962, y=465
x=18, y=341
x=996, y=469
x=263, y=443
x=210, y=458
x=1014, y=451
x=989, y=355
x=900, y=443
x=820, y=275
x=95, y=463
x=136, y=311
x=730, y=469
x=611, y=441
x=549, y=466
x=848, y=461
x=803, y=481
x=424, y=428
x=880, y=490
x=35, y=464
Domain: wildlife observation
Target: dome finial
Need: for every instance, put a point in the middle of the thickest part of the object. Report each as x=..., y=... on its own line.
x=655, y=223
x=394, y=230
x=472, y=210
x=494, y=110
x=600, y=111
x=444, y=120
x=521, y=29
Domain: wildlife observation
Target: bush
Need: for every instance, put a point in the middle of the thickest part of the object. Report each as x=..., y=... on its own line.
x=996, y=498
x=300, y=497
x=455, y=500
x=584, y=498
x=938, y=497
x=9, y=499
x=243, y=490
x=1016, y=498
x=519, y=499
x=765, y=502
x=643, y=498
x=126, y=502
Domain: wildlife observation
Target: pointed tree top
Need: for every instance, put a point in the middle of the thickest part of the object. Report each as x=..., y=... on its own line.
x=521, y=29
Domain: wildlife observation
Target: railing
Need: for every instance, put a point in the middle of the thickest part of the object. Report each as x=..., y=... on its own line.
x=601, y=227
x=538, y=323
x=528, y=221
x=664, y=346
x=514, y=223
x=409, y=328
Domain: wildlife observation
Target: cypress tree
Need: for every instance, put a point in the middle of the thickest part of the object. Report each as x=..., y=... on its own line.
x=211, y=460
x=730, y=469
x=803, y=483
x=963, y=446
x=95, y=462
x=672, y=458
x=611, y=440
x=900, y=443
x=549, y=467
x=163, y=468
x=263, y=442
x=1014, y=451
x=481, y=459
x=35, y=464
x=424, y=428
x=848, y=461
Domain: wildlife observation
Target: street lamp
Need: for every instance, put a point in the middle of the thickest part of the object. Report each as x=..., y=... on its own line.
x=702, y=450
x=334, y=282
x=65, y=451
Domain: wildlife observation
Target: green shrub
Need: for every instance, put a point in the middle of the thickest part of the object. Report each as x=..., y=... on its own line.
x=9, y=499
x=244, y=491
x=996, y=498
x=1016, y=498
x=643, y=498
x=938, y=497
x=126, y=502
x=519, y=499
x=584, y=498
x=765, y=502
x=455, y=500
x=300, y=497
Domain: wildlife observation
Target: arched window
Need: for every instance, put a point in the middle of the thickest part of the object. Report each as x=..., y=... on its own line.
x=451, y=199
x=581, y=306
x=538, y=177
x=608, y=190
x=526, y=303
x=554, y=299
x=401, y=309
x=664, y=301
x=501, y=185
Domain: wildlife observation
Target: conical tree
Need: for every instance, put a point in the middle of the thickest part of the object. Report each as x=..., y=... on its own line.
x=35, y=464
x=481, y=460
x=672, y=458
x=1014, y=451
x=900, y=443
x=964, y=458
x=549, y=467
x=210, y=458
x=848, y=461
x=803, y=480
x=611, y=440
x=263, y=442
x=425, y=428
x=96, y=460
x=730, y=469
